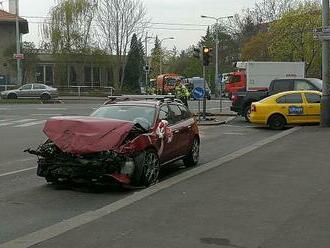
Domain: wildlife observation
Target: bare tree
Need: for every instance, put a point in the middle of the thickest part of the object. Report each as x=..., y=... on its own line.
x=270, y=10
x=117, y=21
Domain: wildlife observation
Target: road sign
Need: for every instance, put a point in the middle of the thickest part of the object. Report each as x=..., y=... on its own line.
x=198, y=93
x=18, y=56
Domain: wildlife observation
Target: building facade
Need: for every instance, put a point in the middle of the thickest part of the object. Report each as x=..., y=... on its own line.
x=8, y=73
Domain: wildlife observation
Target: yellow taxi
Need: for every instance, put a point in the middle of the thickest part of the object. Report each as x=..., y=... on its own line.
x=290, y=107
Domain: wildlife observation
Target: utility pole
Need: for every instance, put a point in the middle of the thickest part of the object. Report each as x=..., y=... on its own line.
x=204, y=98
x=217, y=61
x=18, y=46
x=146, y=68
x=325, y=100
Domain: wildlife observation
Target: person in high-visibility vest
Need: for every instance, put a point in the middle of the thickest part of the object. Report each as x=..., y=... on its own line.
x=182, y=93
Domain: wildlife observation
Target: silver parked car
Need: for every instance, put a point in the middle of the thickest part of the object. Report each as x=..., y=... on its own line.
x=42, y=91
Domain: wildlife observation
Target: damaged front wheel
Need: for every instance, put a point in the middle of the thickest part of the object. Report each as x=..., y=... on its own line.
x=147, y=169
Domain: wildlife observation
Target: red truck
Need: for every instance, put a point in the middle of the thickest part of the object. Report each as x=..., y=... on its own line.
x=255, y=76
x=165, y=83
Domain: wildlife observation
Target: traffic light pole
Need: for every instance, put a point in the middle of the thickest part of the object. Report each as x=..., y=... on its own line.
x=216, y=77
x=18, y=46
x=204, y=98
x=325, y=100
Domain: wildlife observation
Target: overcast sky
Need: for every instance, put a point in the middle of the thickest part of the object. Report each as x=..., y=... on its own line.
x=164, y=11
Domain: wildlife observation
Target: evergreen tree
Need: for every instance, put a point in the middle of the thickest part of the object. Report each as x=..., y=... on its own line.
x=134, y=66
x=156, y=55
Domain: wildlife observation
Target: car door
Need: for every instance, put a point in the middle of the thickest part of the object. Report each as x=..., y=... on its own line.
x=25, y=91
x=313, y=101
x=37, y=90
x=187, y=132
x=178, y=129
x=293, y=107
x=167, y=150
x=181, y=130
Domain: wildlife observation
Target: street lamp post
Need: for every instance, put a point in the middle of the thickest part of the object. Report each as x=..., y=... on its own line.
x=147, y=67
x=217, y=51
x=161, y=58
x=325, y=100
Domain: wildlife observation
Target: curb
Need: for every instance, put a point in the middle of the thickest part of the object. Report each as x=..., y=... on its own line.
x=215, y=123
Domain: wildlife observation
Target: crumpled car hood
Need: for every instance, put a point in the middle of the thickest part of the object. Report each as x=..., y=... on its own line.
x=82, y=135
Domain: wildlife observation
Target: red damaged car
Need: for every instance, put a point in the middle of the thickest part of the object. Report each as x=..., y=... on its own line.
x=126, y=141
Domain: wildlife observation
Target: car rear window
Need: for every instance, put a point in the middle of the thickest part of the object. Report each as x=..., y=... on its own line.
x=126, y=113
x=281, y=85
x=313, y=98
x=302, y=85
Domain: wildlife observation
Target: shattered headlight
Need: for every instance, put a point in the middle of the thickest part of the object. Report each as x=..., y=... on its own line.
x=128, y=167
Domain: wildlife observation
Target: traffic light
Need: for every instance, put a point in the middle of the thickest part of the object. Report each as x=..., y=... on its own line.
x=197, y=53
x=206, y=55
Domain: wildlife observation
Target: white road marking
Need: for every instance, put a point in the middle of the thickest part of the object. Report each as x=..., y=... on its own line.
x=17, y=161
x=17, y=171
x=59, y=228
x=52, y=114
x=240, y=134
x=51, y=108
x=228, y=125
x=6, y=120
x=29, y=124
x=15, y=122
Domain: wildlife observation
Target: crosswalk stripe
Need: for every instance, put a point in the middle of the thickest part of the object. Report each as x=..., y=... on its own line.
x=15, y=122
x=29, y=124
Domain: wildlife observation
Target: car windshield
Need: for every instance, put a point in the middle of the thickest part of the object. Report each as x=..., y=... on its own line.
x=234, y=79
x=317, y=82
x=131, y=113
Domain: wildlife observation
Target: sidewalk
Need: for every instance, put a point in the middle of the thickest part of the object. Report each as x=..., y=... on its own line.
x=272, y=197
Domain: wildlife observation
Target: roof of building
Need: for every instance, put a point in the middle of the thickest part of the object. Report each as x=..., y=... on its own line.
x=6, y=17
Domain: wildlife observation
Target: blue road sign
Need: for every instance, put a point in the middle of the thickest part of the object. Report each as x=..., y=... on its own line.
x=198, y=93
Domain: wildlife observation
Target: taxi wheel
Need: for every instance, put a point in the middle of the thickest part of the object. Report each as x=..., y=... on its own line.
x=276, y=122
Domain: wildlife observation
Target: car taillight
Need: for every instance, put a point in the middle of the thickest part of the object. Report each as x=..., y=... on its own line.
x=253, y=108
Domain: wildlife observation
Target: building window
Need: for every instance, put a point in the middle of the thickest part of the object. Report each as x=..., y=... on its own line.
x=72, y=75
x=92, y=76
x=45, y=74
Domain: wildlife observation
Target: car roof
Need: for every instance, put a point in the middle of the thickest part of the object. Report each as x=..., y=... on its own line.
x=275, y=96
x=141, y=100
x=152, y=103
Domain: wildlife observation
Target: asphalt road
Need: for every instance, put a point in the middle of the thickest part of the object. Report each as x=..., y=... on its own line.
x=28, y=204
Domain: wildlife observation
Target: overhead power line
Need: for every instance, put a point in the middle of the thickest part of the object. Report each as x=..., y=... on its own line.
x=152, y=23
